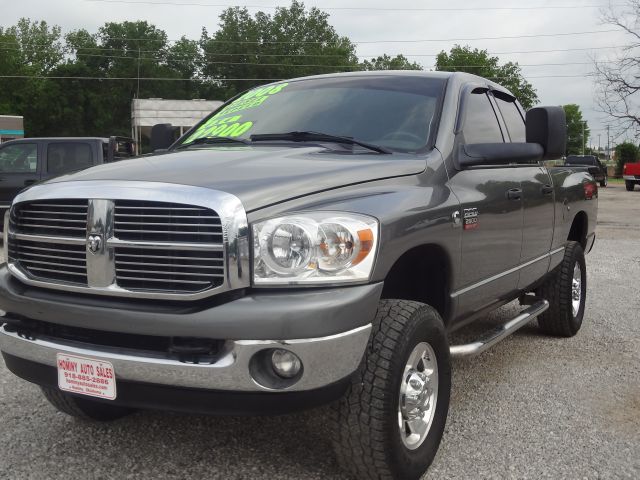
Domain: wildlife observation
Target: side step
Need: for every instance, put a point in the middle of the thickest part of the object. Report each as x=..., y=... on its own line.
x=499, y=333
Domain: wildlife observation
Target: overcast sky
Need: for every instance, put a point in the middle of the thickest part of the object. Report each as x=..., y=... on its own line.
x=183, y=17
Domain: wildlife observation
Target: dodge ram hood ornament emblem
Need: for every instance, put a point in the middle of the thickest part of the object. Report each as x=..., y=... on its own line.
x=94, y=243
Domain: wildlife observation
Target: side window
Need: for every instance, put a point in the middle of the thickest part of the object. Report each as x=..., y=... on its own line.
x=68, y=157
x=481, y=124
x=513, y=119
x=19, y=158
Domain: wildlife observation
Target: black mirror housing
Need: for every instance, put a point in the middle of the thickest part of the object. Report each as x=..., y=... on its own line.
x=547, y=126
x=476, y=154
x=162, y=136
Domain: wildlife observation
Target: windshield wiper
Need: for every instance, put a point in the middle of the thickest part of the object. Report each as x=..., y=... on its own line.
x=214, y=141
x=316, y=136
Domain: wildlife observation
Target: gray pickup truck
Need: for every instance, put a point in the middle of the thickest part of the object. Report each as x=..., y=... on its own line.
x=27, y=161
x=311, y=242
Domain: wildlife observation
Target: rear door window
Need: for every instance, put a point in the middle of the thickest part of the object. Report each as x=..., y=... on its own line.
x=19, y=158
x=68, y=157
x=481, y=124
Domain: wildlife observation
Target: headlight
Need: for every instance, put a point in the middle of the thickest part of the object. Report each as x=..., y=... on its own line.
x=314, y=248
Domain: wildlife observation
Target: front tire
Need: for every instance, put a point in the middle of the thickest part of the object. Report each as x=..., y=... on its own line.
x=84, y=408
x=566, y=291
x=629, y=185
x=390, y=422
x=604, y=182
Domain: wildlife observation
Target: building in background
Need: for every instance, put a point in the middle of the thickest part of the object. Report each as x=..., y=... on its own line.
x=11, y=127
x=182, y=114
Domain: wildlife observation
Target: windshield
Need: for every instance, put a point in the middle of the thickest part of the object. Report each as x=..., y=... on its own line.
x=395, y=112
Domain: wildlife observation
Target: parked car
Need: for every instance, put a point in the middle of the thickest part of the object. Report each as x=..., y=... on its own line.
x=26, y=161
x=311, y=242
x=631, y=175
x=595, y=167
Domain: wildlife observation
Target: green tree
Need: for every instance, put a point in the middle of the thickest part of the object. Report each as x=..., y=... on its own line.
x=35, y=50
x=10, y=64
x=479, y=62
x=577, y=130
x=386, y=62
x=291, y=42
x=625, y=153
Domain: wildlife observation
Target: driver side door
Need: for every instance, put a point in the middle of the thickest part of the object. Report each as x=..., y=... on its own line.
x=491, y=217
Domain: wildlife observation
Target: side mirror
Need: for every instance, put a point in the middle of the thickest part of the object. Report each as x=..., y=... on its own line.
x=162, y=136
x=476, y=154
x=547, y=126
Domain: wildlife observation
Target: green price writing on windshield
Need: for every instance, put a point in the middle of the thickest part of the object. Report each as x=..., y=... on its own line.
x=223, y=124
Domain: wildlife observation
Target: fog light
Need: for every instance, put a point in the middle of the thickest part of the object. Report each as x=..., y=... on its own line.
x=285, y=363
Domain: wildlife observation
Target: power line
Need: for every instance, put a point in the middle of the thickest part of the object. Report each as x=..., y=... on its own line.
x=213, y=80
x=45, y=77
x=368, y=9
x=363, y=42
x=316, y=55
x=169, y=60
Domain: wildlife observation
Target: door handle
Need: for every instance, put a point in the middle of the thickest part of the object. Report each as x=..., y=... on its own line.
x=29, y=182
x=547, y=190
x=514, y=194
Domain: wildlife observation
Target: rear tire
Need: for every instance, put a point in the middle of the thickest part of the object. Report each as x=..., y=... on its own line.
x=390, y=422
x=566, y=291
x=604, y=182
x=85, y=409
x=629, y=185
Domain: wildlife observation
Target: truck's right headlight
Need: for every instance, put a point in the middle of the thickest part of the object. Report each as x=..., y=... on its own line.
x=314, y=248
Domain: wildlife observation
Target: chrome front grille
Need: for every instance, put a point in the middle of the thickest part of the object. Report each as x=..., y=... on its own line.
x=67, y=218
x=182, y=248
x=50, y=261
x=34, y=248
x=166, y=222
x=169, y=270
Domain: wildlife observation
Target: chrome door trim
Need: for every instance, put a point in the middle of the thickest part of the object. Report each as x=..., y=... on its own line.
x=505, y=273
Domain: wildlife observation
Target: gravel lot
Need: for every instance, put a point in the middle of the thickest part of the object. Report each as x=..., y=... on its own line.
x=532, y=407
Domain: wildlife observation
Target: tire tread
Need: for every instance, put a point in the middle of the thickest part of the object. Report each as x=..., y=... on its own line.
x=358, y=422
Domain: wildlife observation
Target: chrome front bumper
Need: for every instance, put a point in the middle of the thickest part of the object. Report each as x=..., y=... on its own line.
x=326, y=360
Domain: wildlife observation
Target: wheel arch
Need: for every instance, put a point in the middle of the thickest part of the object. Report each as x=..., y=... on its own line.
x=579, y=229
x=422, y=274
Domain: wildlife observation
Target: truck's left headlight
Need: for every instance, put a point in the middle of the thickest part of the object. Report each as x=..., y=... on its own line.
x=314, y=248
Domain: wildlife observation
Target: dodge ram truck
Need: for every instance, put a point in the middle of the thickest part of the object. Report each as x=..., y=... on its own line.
x=312, y=242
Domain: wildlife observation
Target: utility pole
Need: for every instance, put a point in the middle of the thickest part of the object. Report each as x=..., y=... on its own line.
x=583, y=139
x=608, y=144
x=599, y=143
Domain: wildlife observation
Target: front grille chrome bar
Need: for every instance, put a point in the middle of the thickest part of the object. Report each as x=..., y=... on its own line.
x=208, y=247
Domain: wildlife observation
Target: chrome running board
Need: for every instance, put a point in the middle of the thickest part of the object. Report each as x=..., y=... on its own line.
x=499, y=333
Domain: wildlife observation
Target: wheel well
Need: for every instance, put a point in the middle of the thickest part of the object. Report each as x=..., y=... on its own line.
x=421, y=274
x=578, y=231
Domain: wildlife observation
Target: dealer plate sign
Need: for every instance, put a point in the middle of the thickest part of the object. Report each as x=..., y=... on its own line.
x=86, y=376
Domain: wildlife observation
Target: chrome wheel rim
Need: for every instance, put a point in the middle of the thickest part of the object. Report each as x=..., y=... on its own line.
x=418, y=396
x=576, y=289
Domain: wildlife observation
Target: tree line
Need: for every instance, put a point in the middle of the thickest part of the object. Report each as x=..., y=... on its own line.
x=81, y=83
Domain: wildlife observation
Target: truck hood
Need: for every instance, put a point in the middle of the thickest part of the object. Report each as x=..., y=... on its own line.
x=258, y=175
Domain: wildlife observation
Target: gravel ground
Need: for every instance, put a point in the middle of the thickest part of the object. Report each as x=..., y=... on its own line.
x=532, y=407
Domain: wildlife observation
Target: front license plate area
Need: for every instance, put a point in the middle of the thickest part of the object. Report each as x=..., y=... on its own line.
x=86, y=376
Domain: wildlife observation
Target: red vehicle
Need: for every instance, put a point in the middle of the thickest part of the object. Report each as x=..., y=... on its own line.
x=631, y=175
